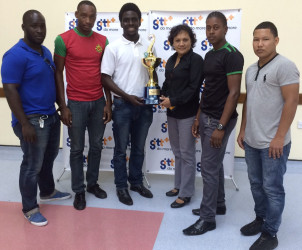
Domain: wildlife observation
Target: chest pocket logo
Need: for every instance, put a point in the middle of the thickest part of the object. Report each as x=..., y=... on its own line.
x=99, y=48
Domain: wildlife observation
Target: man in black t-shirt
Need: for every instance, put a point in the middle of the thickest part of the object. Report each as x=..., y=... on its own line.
x=221, y=63
x=215, y=120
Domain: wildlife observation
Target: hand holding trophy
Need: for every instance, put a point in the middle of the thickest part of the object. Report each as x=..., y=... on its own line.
x=152, y=90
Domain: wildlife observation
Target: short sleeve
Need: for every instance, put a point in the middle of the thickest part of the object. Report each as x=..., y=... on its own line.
x=60, y=48
x=288, y=73
x=108, y=61
x=234, y=63
x=13, y=68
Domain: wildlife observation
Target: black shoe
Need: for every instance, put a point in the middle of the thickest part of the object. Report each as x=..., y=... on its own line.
x=97, y=191
x=79, y=202
x=196, y=211
x=219, y=211
x=199, y=227
x=265, y=242
x=142, y=191
x=124, y=197
x=185, y=200
x=173, y=192
x=252, y=228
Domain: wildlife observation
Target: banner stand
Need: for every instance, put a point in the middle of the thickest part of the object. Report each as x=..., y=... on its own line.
x=233, y=180
x=62, y=172
x=146, y=180
x=144, y=176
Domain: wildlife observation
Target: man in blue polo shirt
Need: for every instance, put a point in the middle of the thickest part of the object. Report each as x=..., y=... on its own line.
x=28, y=81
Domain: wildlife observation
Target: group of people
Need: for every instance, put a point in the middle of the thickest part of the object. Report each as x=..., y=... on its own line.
x=33, y=82
x=96, y=71
x=272, y=86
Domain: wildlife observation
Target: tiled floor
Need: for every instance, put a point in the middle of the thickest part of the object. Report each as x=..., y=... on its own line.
x=108, y=224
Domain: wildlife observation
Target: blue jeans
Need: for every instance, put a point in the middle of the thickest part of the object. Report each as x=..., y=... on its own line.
x=38, y=159
x=134, y=121
x=86, y=115
x=266, y=179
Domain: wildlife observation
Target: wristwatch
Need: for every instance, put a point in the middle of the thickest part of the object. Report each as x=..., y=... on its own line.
x=220, y=127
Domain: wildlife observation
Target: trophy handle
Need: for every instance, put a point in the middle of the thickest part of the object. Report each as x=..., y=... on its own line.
x=149, y=50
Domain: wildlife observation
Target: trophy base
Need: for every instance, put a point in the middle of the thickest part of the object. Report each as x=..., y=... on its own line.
x=152, y=95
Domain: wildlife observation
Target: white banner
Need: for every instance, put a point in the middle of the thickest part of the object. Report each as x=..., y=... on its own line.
x=159, y=157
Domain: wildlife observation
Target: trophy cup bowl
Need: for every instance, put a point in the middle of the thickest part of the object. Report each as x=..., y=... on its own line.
x=152, y=90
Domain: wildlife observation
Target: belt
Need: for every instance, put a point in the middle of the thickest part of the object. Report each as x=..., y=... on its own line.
x=37, y=115
x=117, y=97
x=33, y=115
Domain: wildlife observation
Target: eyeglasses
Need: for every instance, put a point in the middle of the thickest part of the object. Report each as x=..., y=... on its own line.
x=49, y=64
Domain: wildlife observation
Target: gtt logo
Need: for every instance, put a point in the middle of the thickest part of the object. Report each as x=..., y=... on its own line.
x=156, y=142
x=202, y=88
x=159, y=22
x=73, y=24
x=68, y=141
x=163, y=64
x=198, y=167
x=167, y=163
x=85, y=158
x=191, y=21
x=104, y=23
x=157, y=108
x=164, y=127
x=106, y=140
x=206, y=45
x=167, y=45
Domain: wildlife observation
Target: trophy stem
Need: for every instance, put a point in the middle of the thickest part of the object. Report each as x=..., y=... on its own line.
x=151, y=82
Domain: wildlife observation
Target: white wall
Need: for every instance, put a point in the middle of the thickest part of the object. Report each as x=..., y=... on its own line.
x=285, y=14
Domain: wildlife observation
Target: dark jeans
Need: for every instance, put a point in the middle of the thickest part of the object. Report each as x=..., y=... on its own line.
x=134, y=121
x=212, y=166
x=266, y=179
x=86, y=115
x=38, y=159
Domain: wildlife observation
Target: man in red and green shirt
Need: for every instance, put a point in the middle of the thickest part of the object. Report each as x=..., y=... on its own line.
x=80, y=52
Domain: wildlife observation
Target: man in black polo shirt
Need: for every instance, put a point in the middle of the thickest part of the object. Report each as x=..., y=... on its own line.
x=215, y=120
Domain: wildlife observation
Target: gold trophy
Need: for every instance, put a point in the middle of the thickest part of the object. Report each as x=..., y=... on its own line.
x=152, y=90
